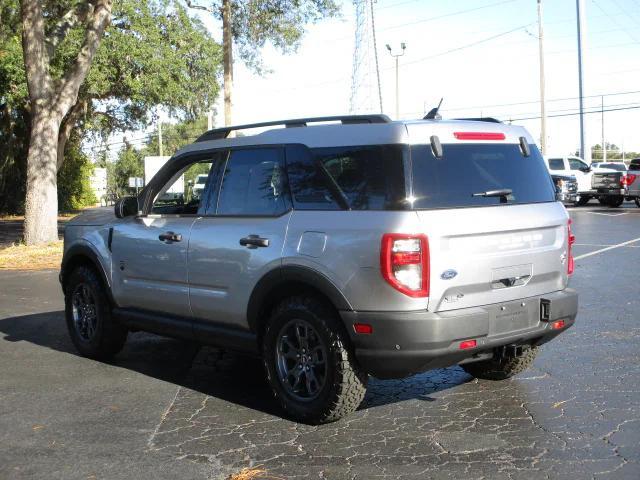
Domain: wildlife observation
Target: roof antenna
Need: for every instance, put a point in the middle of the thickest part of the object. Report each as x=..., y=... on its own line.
x=433, y=113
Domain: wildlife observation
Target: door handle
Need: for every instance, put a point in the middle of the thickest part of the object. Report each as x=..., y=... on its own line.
x=254, y=241
x=170, y=237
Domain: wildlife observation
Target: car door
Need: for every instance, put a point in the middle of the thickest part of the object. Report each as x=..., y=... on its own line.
x=581, y=171
x=241, y=236
x=149, y=251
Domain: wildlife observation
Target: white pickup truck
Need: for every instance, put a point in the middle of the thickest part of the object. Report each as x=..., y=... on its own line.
x=563, y=165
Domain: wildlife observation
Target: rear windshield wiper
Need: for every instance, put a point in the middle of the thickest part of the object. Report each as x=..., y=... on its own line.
x=502, y=193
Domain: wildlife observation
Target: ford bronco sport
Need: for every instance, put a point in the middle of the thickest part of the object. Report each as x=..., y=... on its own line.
x=335, y=248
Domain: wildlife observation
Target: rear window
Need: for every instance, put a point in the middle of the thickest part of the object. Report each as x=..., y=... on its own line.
x=619, y=167
x=556, y=164
x=635, y=164
x=468, y=169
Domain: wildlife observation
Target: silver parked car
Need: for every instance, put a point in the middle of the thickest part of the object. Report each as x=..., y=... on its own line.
x=353, y=247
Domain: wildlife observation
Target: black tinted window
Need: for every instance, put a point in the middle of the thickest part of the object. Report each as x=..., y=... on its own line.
x=465, y=170
x=359, y=178
x=635, y=164
x=253, y=183
x=556, y=164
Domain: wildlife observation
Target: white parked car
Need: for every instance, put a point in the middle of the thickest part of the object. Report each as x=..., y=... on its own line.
x=562, y=165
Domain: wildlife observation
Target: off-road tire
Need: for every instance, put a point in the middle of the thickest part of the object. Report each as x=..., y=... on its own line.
x=637, y=200
x=602, y=200
x=501, y=369
x=615, y=201
x=345, y=383
x=109, y=336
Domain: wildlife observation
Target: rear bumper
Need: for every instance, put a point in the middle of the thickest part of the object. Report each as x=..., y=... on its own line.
x=405, y=343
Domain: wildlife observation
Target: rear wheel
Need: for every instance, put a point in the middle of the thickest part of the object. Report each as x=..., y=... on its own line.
x=312, y=372
x=637, y=199
x=615, y=201
x=501, y=369
x=88, y=316
x=602, y=200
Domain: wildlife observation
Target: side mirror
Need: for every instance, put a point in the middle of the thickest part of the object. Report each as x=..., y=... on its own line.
x=126, y=207
x=585, y=169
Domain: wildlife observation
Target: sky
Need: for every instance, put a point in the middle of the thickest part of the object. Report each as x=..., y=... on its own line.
x=481, y=56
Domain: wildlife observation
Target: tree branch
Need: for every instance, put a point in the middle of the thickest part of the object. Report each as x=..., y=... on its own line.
x=36, y=58
x=98, y=20
x=199, y=7
x=67, y=126
x=68, y=21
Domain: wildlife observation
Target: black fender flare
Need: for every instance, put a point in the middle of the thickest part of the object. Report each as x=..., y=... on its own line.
x=83, y=251
x=292, y=273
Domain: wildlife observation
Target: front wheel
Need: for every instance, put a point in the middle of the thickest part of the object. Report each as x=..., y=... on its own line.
x=581, y=200
x=312, y=372
x=503, y=368
x=88, y=316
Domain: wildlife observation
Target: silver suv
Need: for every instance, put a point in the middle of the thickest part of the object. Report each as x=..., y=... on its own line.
x=335, y=248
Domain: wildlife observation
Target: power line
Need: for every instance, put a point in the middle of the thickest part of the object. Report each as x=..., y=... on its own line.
x=634, y=107
x=624, y=29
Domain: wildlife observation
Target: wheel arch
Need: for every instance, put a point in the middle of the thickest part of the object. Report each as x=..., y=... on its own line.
x=81, y=254
x=287, y=281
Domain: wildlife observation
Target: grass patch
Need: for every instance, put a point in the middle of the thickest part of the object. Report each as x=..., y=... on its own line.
x=31, y=257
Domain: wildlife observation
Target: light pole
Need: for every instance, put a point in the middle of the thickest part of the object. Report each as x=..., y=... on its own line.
x=580, y=11
x=543, y=107
x=403, y=47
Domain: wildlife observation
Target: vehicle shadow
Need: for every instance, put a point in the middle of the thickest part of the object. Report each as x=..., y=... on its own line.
x=229, y=376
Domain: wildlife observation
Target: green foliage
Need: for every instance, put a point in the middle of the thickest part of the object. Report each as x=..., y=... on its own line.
x=74, y=187
x=281, y=22
x=128, y=164
x=176, y=136
x=153, y=54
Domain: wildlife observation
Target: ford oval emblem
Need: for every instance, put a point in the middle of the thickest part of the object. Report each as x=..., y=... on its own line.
x=448, y=274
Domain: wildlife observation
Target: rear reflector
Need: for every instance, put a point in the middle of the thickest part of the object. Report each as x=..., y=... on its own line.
x=467, y=344
x=363, y=328
x=571, y=239
x=479, y=135
x=557, y=325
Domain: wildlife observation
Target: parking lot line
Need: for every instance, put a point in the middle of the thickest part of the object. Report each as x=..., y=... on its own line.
x=618, y=245
x=617, y=214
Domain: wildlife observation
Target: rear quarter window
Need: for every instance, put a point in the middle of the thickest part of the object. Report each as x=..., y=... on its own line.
x=468, y=169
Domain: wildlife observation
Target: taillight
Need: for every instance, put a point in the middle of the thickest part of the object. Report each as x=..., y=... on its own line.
x=404, y=263
x=627, y=179
x=479, y=135
x=571, y=239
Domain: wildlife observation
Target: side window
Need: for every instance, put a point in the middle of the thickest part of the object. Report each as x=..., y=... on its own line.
x=575, y=164
x=185, y=191
x=254, y=183
x=310, y=189
x=556, y=164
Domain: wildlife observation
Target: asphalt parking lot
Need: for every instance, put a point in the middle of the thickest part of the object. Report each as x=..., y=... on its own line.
x=165, y=409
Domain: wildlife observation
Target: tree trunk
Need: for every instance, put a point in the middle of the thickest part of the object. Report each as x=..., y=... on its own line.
x=41, y=209
x=227, y=59
x=50, y=102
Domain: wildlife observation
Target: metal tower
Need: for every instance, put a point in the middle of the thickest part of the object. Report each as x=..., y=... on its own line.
x=366, y=94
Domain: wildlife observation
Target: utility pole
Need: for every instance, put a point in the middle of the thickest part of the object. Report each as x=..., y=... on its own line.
x=160, y=135
x=227, y=60
x=403, y=47
x=543, y=106
x=604, y=145
x=210, y=119
x=580, y=14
